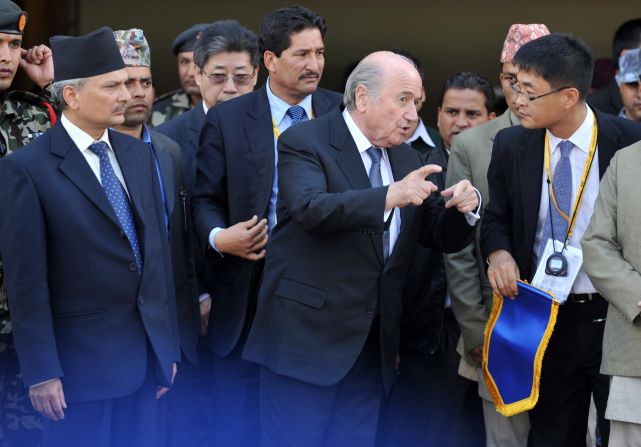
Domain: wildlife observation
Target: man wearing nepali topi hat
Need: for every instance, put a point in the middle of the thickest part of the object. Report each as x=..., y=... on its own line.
x=468, y=285
x=94, y=325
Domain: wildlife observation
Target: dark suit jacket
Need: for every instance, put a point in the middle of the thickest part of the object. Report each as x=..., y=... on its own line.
x=607, y=99
x=514, y=179
x=187, y=308
x=325, y=279
x=426, y=286
x=80, y=309
x=235, y=176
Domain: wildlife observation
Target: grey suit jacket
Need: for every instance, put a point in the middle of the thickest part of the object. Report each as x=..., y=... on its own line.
x=612, y=260
x=468, y=285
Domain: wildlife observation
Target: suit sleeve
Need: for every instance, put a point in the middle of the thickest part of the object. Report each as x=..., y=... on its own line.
x=612, y=275
x=496, y=229
x=24, y=250
x=209, y=201
x=462, y=268
x=302, y=185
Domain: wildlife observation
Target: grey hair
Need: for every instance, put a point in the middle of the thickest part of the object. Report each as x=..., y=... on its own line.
x=367, y=73
x=57, y=89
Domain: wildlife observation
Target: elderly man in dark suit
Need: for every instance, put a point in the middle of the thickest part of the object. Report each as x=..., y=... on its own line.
x=350, y=213
x=89, y=277
x=532, y=202
x=234, y=202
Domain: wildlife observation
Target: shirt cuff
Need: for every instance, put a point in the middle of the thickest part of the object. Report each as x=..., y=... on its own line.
x=212, y=238
x=42, y=383
x=473, y=217
x=203, y=297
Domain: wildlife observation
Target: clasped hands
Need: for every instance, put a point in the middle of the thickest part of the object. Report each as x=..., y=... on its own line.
x=414, y=189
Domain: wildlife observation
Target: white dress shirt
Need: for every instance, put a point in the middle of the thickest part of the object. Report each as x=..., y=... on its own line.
x=83, y=140
x=581, y=140
x=362, y=144
x=421, y=132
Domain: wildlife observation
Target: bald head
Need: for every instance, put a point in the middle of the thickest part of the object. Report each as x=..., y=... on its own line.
x=381, y=95
x=372, y=70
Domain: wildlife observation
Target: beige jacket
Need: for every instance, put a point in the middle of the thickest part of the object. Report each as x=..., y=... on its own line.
x=612, y=260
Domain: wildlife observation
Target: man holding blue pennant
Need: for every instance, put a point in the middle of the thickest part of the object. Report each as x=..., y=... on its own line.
x=543, y=181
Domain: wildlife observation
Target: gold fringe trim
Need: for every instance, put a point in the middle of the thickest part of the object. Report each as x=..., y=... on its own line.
x=529, y=402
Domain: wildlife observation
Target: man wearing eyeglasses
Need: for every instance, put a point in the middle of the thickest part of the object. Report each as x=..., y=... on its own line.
x=629, y=78
x=234, y=201
x=226, y=57
x=468, y=285
x=532, y=202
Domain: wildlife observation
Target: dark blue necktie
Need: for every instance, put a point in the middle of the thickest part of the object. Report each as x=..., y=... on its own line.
x=562, y=186
x=297, y=114
x=118, y=198
x=376, y=180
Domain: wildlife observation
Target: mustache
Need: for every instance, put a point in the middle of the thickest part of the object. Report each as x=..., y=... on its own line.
x=309, y=74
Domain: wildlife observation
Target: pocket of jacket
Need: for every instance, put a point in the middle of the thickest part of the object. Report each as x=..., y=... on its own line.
x=301, y=293
x=81, y=315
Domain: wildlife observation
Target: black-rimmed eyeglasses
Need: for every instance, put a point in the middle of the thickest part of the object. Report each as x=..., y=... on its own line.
x=516, y=88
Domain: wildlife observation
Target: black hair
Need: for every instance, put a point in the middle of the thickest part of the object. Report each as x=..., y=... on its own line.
x=626, y=37
x=416, y=61
x=225, y=36
x=279, y=25
x=560, y=59
x=472, y=81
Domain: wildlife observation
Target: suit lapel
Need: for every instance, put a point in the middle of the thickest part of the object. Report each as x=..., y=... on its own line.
x=403, y=160
x=196, y=121
x=607, y=141
x=166, y=170
x=321, y=104
x=128, y=158
x=351, y=165
x=75, y=167
x=530, y=158
x=260, y=139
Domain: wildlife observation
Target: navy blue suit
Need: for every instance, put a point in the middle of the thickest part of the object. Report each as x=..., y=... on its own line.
x=80, y=309
x=235, y=166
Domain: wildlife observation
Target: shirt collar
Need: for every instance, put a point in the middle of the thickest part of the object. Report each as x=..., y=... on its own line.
x=81, y=138
x=362, y=143
x=146, y=136
x=421, y=132
x=581, y=138
x=205, y=108
x=279, y=107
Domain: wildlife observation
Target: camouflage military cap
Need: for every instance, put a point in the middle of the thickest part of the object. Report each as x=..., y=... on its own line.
x=629, y=67
x=12, y=18
x=186, y=41
x=133, y=47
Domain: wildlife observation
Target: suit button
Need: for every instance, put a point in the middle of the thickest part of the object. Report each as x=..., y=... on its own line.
x=371, y=310
x=133, y=267
x=141, y=301
x=122, y=234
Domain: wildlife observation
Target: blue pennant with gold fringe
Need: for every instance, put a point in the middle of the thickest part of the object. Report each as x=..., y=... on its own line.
x=516, y=337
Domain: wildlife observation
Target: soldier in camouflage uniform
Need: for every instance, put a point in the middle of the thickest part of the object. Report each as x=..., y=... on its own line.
x=172, y=104
x=23, y=117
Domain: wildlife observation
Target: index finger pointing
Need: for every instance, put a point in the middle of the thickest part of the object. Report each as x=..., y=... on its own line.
x=426, y=170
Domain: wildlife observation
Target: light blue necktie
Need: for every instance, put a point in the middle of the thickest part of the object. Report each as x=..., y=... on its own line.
x=297, y=114
x=562, y=185
x=118, y=199
x=376, y=180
